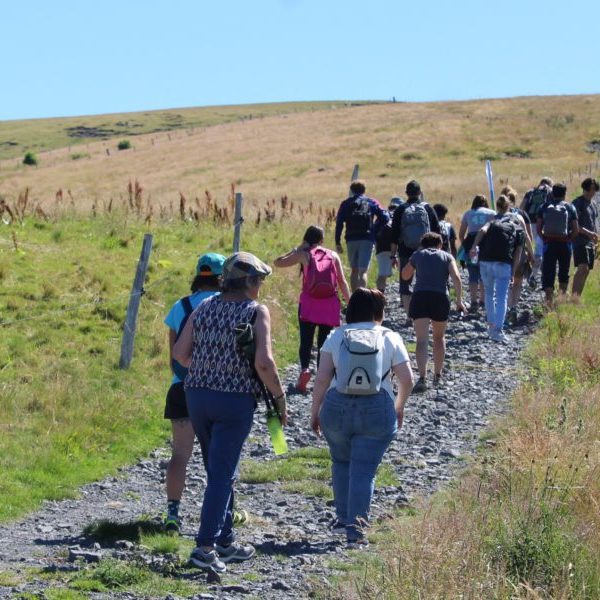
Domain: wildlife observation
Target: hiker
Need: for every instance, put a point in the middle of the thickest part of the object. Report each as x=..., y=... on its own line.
x=524, y=268
x=206, y=283
x=362, y=216
x=531, y=204
x=383, y=246
x=220, y=389
x=353, y=405
x=319, y=304
x=499, y=244
x=430, y=303
x=556, y=225
x=584, y=245
x=446, y=229
x=410, y=223
x=472, y=221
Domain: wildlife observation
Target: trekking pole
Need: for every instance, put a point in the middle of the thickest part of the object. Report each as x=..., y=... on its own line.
x=490, y=179
x=354, y=173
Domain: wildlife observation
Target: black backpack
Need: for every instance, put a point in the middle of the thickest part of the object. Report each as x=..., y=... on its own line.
x=498, y=244
x=536, y=198
x=358, y=221
x=188, y=309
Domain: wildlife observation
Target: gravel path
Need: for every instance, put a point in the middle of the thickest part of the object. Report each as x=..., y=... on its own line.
x=289, y=530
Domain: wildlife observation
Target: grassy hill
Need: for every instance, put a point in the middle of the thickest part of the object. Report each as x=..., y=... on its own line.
x=307, y=154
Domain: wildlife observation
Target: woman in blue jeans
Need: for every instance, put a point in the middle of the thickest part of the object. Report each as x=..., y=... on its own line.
x=220, y=390
x=359, y=428
x=500, y=244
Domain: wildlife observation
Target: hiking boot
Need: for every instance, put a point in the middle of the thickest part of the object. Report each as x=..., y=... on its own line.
x=207, y=560
x=358, y=544
x=337, y=526
x=172, y=525
x=438, y=381
x=511, y=317
x=235, y=552
x=240, y=517
x=420, y=386
x=303, y=380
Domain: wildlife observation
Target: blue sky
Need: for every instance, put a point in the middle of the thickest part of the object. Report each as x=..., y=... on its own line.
x=82, y=57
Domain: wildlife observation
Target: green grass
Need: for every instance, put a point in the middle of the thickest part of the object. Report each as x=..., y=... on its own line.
x=47, y=134
x=68, y=414
x=108, y=532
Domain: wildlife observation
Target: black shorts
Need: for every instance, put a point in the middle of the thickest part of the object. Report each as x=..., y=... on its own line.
x=429, y=305
x=176, y=406
x=584, y=255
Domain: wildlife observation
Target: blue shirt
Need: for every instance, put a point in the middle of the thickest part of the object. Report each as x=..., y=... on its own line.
x=177, y=313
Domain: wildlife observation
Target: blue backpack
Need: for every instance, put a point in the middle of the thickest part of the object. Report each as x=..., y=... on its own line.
x=188, y=309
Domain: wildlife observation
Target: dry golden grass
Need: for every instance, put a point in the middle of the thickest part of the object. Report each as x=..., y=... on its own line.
x=309, y=156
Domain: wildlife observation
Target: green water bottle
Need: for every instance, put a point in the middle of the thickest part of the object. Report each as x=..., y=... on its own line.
x=276, y=432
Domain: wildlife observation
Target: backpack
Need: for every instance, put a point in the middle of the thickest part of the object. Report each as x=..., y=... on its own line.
x=188, y=309
x=414, y=224
x=320, y=279
x=360, y=364
x=358, y=221
x=556, y=221
x=537, y=197
x=499, y=242
x=445, y=233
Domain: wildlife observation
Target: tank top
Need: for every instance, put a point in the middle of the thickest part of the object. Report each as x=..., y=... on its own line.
x=216, y=363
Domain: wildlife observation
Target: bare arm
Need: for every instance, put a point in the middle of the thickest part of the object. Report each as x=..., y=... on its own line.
x=404, y=375
x=478, y=238
x=574, y=228
x=462, y=232
x=457, y=283
x=407, y=272
x=182, y=348
x=294, y=257
x=264, y=362
x=341, y=278
x=324, y=377
x=453, y=247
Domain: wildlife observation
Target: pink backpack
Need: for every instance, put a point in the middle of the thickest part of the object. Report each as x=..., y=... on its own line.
x=320, y=279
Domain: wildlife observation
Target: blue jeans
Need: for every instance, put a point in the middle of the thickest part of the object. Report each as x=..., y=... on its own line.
x=496, y=281
x=222, y=422
x=359, y=430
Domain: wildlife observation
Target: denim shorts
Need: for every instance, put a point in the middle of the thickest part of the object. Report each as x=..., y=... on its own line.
x=359, y=253
x=384, y=264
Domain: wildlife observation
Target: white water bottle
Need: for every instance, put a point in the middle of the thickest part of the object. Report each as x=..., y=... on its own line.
x=475, y=256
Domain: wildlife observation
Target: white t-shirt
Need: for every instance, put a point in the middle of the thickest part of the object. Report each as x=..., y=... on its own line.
x=394, y=352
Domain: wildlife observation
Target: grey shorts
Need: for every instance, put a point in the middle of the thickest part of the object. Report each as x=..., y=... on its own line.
x=384, y=264
x=359, y=253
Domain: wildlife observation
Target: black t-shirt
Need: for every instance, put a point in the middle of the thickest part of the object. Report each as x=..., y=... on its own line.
x=587, y=216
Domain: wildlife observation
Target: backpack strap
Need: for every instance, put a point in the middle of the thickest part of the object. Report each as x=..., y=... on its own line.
x=188, y=309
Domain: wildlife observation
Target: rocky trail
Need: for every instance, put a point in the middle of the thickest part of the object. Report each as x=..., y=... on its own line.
x=295, y=549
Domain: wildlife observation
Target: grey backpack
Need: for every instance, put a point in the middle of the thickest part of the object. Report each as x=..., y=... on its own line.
x=556, y=221
x=360, y=365
x=414, y=224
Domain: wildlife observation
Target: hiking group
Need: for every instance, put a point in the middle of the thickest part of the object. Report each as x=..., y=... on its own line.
x=364, y=375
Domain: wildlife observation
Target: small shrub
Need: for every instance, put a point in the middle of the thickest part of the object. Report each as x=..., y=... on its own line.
x=124, y=145
x=30, y=159
x=411, y=156
x=79, y=155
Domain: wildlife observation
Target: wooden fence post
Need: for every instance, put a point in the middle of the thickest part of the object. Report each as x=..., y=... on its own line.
x=134, y=303
x=237, y=221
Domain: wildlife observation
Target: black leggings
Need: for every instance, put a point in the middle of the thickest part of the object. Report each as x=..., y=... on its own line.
x=307, y=335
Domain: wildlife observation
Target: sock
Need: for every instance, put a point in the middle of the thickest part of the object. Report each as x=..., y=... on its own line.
x=173, y=509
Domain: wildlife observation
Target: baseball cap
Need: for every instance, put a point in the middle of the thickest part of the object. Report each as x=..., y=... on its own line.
x=213, y=261
x=244, y=264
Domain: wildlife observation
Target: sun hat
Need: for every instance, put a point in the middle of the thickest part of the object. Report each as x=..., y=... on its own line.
x=213, y=261
x=244, y=264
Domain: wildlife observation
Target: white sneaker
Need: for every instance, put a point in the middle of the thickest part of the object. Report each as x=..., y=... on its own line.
x=498, y=336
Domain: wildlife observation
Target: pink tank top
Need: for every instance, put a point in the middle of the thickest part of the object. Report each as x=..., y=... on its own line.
x=320, y=311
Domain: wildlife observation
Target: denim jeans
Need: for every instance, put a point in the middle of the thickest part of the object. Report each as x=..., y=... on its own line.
x=359, y=430
x=496, y=281
x=222, y=422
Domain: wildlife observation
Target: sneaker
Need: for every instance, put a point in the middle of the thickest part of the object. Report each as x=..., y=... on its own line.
x=512, y=316
x=358, y=544
x=473, y=308
x=172, y=525
x=337, y=526
x=532, y=282
x=420, y=386
x=438, y=381
x=240, y=517
x=408, y=322
x=207, y=560
x=498, y=336
x=235, y=552
x=303, y=380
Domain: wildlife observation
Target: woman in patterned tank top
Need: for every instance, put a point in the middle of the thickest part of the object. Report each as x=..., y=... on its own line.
x=220, y=391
